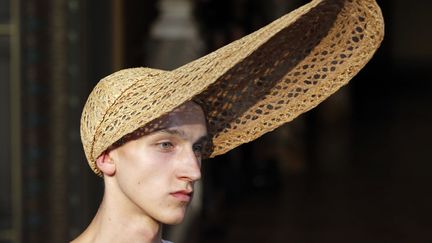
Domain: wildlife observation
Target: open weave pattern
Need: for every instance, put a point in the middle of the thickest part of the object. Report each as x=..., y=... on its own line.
x=293, y=72
x=248, y=87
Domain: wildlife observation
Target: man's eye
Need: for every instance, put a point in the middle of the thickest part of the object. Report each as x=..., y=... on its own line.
x=166, y=145
x=197, y=148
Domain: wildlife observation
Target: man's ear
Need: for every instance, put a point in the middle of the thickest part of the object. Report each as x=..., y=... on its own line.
x=106, y=164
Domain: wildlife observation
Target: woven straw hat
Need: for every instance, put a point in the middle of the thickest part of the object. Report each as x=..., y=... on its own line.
x=246, y=88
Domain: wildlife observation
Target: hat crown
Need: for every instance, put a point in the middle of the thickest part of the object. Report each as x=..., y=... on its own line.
x=103, y=97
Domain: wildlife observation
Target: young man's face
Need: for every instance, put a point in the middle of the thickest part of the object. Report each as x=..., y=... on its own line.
x=156, y=173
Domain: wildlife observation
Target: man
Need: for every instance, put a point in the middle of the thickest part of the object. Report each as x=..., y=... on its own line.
x=146, y=130
x=150, y=180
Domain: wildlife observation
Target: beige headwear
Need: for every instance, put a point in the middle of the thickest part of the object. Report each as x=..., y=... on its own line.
x=248, y=87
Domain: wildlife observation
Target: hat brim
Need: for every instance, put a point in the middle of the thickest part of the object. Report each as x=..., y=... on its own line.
x=284, y=69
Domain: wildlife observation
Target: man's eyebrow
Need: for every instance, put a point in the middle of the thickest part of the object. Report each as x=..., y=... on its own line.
x=203, y=139
x=181, y=134
x=172, y=131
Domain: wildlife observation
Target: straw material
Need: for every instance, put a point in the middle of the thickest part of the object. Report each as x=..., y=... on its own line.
x=248, y=87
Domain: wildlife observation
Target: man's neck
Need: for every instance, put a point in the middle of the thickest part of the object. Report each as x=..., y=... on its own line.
x=114, y=223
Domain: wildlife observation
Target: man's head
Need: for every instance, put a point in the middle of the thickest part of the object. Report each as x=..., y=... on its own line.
x=153, y=170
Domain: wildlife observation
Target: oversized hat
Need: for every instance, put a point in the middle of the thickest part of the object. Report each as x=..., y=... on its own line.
x=248, y=87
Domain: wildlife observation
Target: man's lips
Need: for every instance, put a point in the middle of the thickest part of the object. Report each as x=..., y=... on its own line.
x=183, y=195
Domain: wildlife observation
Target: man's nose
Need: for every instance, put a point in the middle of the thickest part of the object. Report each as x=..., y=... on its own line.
x=189, y=166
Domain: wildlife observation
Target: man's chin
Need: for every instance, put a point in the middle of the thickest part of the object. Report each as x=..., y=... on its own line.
x=174, y=221
x=175, y=218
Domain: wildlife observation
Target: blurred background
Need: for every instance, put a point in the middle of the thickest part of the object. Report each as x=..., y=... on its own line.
x=355, y=169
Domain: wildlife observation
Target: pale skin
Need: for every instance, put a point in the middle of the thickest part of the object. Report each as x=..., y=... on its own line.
x=149, y=181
